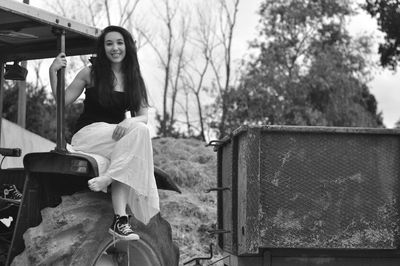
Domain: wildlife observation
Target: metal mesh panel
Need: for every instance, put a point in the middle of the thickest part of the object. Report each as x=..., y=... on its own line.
x=328, y=190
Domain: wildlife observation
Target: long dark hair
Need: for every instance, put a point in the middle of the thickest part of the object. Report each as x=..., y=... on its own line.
x=104, y=76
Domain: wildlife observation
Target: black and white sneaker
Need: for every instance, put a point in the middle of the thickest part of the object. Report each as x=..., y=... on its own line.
x=11, y=193
x=121, y=229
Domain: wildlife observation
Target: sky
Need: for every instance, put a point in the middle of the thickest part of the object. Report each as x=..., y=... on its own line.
x=383, y=85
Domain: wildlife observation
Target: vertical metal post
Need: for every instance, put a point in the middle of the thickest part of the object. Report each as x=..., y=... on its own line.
x=21, y=84
x=21, y=115
x=1, y=92
x=61, y=144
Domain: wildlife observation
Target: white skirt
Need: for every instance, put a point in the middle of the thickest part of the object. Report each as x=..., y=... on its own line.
x=130, y=162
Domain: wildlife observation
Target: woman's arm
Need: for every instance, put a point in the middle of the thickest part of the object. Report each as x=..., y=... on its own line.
x=121, y=129
x=141, y=116
x=78, y=84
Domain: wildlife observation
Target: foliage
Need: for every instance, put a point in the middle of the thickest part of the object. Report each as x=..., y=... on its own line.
x=397, y=124
x=308, y=70
x=40, y=111
x=387, y=13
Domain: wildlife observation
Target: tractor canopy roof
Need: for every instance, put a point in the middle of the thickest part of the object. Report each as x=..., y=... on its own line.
x=28, y=33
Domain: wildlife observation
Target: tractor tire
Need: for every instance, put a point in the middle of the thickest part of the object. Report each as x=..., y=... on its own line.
x=76, y=233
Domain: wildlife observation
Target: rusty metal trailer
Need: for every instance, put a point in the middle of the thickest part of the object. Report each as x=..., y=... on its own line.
x=305, y=196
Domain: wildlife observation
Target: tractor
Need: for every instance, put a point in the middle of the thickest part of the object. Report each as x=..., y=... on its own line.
x=286, y=195
x=57, y=213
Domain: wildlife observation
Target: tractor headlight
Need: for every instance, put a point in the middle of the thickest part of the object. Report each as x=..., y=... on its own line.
x=79, y=166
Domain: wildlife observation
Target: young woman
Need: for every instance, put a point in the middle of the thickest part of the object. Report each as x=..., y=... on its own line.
x=113, y=86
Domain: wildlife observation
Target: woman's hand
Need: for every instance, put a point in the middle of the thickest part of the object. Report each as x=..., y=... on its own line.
x=59, y=62
x=120, y=131
x=124, y=127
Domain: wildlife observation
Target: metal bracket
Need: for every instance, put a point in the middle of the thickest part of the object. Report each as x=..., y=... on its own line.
x=215, y=144
x=219, y=232
x=217, y=189
x=197, y=260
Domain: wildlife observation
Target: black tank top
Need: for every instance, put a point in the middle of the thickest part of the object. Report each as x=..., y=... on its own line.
x=93, y=111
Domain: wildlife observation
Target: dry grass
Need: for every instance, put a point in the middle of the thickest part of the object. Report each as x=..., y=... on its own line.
x=193, y=213
x=190, y=164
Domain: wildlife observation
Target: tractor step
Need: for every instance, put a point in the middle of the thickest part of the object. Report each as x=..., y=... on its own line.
x=11, y=201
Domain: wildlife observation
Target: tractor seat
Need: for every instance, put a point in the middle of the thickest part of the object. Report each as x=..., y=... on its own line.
x=163, y=180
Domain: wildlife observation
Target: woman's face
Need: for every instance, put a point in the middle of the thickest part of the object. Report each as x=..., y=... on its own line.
x=114, y=46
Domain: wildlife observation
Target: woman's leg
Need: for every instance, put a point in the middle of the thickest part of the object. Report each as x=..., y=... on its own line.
x=131, y=157
x=121, y=164
x=119, y=195
x=131, y=163
x=131, y=160
x=120, y=226
x=97, y=139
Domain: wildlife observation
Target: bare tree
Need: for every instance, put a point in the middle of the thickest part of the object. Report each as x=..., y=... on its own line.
x=185, y=108
x=228, y=10
x=204, y=41
x=180, y=65
x=36, y=68
x=194, y=87
x=101, y=13
x=167, y=19
x=107, y=7
x=170, y=48
x=58, y=7
x=212, y=37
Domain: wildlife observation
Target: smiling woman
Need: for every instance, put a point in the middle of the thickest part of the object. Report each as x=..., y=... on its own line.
x=114, y=47
x=113, y=86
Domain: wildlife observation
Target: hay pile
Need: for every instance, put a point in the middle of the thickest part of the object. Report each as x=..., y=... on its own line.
x=191, y=214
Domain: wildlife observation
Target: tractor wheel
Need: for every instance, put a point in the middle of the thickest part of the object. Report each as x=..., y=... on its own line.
x=76, y=233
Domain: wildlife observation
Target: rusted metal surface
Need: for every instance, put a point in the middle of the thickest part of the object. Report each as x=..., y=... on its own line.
x=306, y=187
x=226, y=196
x=315, y=257
x=249, y=230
